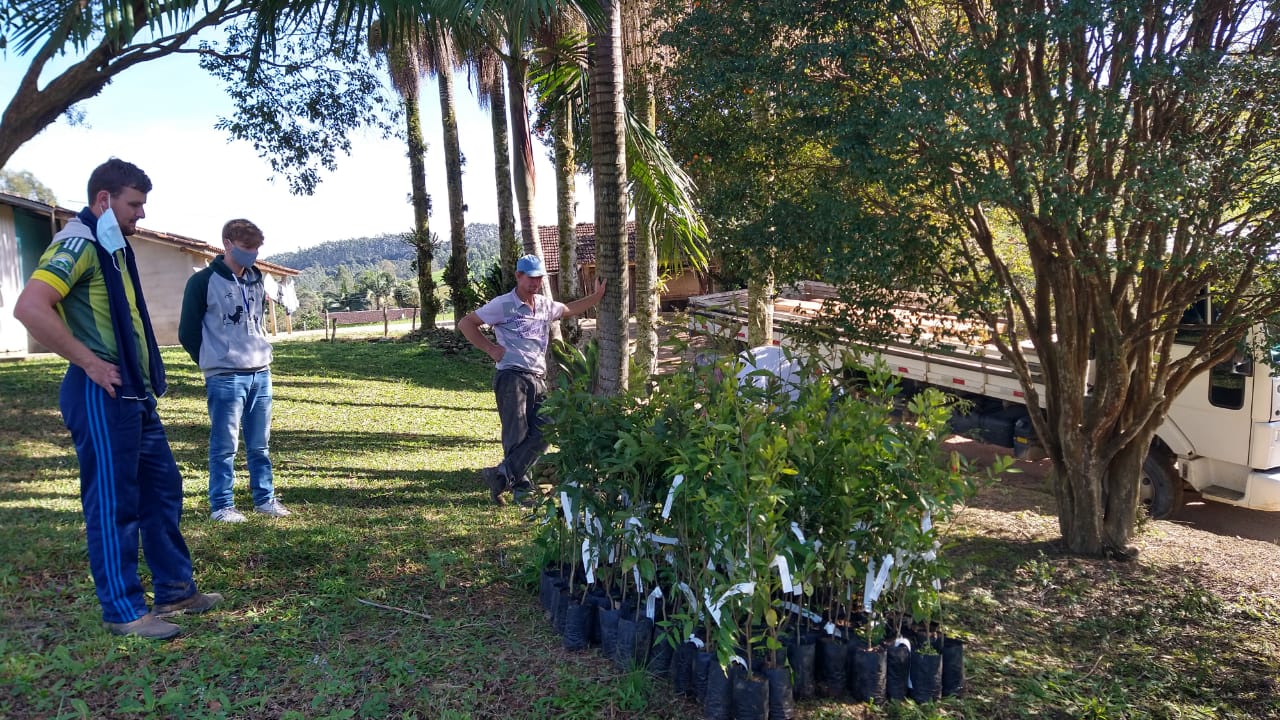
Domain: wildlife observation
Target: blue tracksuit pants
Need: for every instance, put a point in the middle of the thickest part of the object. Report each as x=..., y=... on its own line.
x=130, y=487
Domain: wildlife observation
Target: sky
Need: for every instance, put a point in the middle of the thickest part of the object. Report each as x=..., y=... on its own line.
x=160, y=115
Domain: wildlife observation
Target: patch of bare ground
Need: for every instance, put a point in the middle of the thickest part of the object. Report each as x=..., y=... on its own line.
x=1021, y=507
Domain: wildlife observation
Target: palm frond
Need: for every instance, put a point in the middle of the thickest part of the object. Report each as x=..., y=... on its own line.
x=26, y=24
x=678, y=226
x=562, y=70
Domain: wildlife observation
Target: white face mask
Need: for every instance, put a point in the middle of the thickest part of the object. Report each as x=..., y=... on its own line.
x=110, y=236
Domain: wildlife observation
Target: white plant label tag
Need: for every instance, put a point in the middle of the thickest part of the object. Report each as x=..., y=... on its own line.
x=688, y=594
x=784, y=572
x=796, y=609
x=671, y=496
x=742, y=588
x=566, y=505
x=651, y=602
x=875, y=585
x=795, y=530
x=589, y=558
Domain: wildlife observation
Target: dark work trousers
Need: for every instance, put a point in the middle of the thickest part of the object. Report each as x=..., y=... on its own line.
x=520, y=394
x=129, y=487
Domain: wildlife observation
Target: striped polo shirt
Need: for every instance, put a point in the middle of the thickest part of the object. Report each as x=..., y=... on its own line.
x=521, y=329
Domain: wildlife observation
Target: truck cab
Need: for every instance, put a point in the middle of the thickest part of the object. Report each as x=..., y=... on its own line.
x=1224, y=428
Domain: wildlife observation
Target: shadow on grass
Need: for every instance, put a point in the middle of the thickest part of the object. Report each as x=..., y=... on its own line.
x=376, y=405
x=408, y=362
x=1044, y=625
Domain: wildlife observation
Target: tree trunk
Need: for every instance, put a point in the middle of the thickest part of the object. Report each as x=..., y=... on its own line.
x=1097, y=493
x=566, y=215
x=1096, y=438
x=427, y=300
x=456, y=273
x=34, y=108
x=760, y=307
x=647, y=295
x=608, y=160
x=522, y=167
x=508, y=250
x=522, y=153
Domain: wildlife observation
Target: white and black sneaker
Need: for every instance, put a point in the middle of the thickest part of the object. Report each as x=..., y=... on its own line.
x=272, y=508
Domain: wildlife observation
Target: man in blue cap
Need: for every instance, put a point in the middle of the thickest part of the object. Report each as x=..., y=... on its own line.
x=521, y=321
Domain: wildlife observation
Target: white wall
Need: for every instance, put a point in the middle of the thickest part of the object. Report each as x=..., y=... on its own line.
x=13, y=336
x=164, y=270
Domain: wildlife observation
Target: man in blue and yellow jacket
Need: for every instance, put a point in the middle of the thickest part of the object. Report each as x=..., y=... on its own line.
x=85, y=302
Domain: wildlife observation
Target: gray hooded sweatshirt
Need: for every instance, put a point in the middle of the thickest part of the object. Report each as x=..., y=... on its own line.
x=221, y=326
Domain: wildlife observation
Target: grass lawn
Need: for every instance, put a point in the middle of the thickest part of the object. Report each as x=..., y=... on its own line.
x=397, y=591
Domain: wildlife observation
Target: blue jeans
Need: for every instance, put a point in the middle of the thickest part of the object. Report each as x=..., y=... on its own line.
x=239, y=400
x=131, y=492
x=520, y=395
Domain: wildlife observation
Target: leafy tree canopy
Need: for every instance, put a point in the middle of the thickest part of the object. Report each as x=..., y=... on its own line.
x=1128, y=149
x=24, y=184
x=765, y=161
x=299, y=106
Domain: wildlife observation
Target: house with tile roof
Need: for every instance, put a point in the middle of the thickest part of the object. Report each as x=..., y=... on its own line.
x=165, y=261
x=678, y=286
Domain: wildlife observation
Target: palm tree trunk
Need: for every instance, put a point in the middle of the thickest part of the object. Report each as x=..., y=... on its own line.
x=456, y=274
x=566, y=214
x=522, y=152
x=522, y=168
x=421, y=206
x=508, y=250
x=608, y=160
x=646, y=252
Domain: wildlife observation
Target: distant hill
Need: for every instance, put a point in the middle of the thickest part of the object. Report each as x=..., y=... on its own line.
x=369, y=252
x=354, y=252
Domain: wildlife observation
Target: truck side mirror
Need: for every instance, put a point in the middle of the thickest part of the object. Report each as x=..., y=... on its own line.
x=1242, y=362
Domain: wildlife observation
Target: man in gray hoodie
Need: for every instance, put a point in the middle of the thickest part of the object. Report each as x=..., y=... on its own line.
x=222, y=330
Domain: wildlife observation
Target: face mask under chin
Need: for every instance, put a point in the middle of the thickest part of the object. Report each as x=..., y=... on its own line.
x=110, y=236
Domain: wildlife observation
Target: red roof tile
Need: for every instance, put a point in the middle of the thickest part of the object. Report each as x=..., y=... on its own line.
x=549, y=236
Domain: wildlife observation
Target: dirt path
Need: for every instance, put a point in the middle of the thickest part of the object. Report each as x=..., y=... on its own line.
x=1211, y=517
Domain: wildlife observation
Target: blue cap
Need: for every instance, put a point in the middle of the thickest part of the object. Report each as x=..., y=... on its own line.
x=530, y=265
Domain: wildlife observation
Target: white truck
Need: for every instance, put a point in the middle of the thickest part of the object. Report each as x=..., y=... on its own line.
x=1220, y=439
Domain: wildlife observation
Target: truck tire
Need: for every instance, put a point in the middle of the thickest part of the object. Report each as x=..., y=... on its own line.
x=1160, y=489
